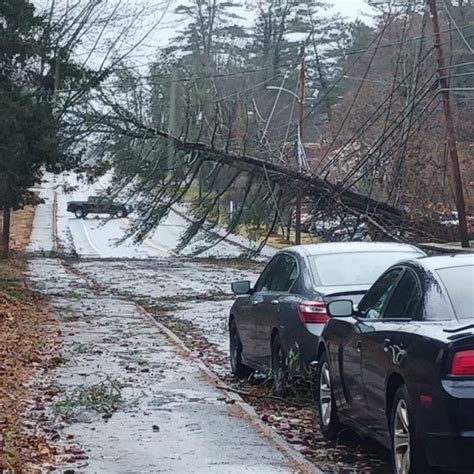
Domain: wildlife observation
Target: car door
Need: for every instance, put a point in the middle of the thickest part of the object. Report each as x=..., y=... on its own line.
x=248, y=311
x=104, y=205
x=351, y=350
x=280, y=281
x=383, y=346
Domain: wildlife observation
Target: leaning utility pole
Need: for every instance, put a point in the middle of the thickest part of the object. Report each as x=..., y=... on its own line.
x=302, y=81
x=450, y=132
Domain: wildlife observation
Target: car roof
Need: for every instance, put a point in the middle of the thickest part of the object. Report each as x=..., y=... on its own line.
x=444, y=261
x=351, y=247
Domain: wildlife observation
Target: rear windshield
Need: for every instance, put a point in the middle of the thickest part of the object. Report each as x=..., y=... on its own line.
x=459, y=282
x=361, y=268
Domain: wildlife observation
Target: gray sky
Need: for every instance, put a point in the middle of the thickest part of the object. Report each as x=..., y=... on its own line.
x=159, y=26
x=351, y=8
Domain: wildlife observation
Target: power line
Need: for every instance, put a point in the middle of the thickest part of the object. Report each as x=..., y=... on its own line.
x=458, y=29
x=409, y=134
x=359, y=89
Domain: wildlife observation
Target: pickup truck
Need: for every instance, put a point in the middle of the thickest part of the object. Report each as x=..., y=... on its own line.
x=96, y=205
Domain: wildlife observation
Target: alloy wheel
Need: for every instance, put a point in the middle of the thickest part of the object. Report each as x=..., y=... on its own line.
x=401, y=439
x=325, y=394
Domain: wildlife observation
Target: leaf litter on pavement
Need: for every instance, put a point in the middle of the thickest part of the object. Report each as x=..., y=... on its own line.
x=293, y=418
x=29, y=348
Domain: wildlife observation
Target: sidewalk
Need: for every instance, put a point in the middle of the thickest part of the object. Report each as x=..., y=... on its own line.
x=169, y=419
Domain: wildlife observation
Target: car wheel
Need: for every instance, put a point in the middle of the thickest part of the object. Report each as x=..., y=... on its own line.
x=407, y=452
x=80, y=213
x=236, y=366
x=279, y=368
x=328, y=418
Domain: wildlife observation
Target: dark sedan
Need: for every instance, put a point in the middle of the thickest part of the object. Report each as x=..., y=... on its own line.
x=400, y=367
x=275, y=326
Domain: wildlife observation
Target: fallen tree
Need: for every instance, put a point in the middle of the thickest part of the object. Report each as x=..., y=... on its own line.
x=160, y=183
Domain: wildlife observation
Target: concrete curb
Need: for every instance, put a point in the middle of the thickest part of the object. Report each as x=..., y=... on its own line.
x=301, y=463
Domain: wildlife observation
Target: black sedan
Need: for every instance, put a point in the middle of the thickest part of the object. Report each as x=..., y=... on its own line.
x=400, y=366
x=275, y=326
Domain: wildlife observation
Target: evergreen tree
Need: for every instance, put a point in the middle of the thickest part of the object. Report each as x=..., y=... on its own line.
x=30, y=137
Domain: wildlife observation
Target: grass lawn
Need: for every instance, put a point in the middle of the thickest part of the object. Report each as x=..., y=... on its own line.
x=276, y=240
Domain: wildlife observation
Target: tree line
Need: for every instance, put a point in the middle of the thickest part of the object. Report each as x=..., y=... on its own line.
x=216, y=119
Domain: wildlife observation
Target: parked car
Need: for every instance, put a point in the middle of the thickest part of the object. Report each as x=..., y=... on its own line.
x=400, y=367
x=274, y=327
x=97, y=205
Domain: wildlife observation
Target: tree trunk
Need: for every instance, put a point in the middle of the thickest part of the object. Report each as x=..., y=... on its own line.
x=6, y=232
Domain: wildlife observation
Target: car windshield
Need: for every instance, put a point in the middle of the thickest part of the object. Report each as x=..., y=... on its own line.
x=459, y=282
x=358, y=268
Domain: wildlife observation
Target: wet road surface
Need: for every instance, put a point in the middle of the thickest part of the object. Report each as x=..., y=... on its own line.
x=169, y=419
x=165, y=416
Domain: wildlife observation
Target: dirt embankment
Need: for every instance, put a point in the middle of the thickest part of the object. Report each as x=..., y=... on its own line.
x=28, y=347
x=21, y=226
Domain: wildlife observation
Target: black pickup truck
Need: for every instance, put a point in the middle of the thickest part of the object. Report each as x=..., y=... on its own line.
x=96, y=205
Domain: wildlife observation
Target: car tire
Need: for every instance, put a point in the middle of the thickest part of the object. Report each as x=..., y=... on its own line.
x=279, y=368
x=235, y=345
x=327, y=409
x=80, y=213
x=408, y=455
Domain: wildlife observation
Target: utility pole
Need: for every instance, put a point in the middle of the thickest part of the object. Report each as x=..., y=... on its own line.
x=302, y=84
x=172, y=121
x=450, y=131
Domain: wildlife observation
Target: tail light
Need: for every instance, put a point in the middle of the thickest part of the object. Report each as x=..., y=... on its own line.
x=313, y=312
x=463, y=363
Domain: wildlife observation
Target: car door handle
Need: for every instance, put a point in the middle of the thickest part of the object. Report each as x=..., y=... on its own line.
x=255, y=302
x=275, y=302
x=359, y=346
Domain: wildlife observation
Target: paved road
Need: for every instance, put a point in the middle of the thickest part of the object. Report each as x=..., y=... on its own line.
x=169, y=418
x=101, y=237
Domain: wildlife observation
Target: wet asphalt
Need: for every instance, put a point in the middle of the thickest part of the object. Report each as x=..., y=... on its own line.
x=166, y=417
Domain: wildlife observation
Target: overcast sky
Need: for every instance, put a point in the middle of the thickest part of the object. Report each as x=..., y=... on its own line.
x=159, y=27
x=351, y=8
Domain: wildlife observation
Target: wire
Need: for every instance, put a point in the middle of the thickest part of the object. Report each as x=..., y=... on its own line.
x=379, y=161
x=374, y=116
x=274, y=107
x=359, y=89
x=394, y=128
x=457, y=27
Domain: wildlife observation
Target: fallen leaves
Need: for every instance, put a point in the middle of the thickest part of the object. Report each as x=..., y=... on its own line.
x=293, y=420
x=28, y=345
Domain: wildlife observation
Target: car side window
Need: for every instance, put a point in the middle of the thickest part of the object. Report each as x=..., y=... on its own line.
x=373, y=303
x=284, y=274
x=405, y=302
x=263, y=281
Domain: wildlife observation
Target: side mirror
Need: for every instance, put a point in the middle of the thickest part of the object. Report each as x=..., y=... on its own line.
x=341, y=309
x=241, y=287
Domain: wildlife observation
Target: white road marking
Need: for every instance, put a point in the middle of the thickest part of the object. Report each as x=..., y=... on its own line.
x=89, y=240
x=86, y=232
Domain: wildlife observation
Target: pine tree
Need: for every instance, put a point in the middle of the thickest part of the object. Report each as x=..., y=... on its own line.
x=30, y=137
